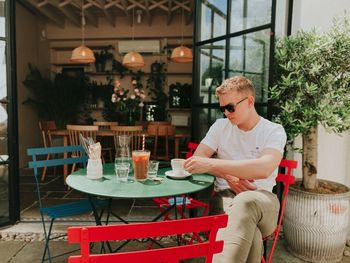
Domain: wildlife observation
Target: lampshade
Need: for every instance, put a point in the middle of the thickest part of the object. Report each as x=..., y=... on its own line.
x=181, y=54
x=82, y=54
x=133, y=59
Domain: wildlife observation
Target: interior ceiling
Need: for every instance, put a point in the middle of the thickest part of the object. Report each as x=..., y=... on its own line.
x=57, y=11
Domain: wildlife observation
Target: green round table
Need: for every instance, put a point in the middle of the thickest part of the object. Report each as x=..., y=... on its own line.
x=108, y=186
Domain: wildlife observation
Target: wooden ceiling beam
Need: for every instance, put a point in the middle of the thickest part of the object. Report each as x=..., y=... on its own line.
x=56, y=19
x=126, y=12
x=160, y=4
x=110, y=18
x=189, y=17
x=148, y=13
x=89, y=15
x=170, y=14
x=111, y=3
x=64, y=3
x=42, y=3
x=54, y=10
x=67, y=12
x=135, y=4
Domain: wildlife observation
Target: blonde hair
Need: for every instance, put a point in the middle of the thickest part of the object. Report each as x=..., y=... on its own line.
x=239, y=83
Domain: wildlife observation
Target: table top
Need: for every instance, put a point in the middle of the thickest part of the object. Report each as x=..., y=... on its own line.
x=108, y=186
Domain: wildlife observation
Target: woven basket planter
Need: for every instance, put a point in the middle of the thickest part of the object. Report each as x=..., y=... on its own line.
x=315, y=225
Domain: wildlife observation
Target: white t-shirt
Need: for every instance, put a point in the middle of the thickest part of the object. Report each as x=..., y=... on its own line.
x=231, y=143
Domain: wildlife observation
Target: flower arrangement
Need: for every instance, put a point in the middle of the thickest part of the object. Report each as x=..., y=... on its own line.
x=128, y=102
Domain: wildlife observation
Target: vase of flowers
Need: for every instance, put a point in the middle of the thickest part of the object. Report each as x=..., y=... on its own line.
x=129, y=102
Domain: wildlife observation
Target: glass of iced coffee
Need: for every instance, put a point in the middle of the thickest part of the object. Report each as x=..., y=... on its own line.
x=140, y=159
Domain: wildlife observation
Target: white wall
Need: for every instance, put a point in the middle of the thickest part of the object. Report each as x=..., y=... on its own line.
x=333, y=150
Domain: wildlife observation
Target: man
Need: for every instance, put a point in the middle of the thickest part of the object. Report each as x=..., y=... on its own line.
x=249, y=149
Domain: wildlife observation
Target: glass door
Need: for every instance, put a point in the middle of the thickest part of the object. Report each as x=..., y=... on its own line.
x=9, y=212
x=232, y=38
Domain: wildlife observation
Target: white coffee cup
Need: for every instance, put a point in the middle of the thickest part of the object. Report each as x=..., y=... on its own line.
x=177, y=165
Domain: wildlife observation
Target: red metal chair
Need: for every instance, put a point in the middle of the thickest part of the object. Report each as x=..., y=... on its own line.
x=183, y=202
x=286, y=178
x=192, y=146
x=86, y=235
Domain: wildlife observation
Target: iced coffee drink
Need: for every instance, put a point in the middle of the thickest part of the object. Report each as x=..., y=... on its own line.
x=140, y=161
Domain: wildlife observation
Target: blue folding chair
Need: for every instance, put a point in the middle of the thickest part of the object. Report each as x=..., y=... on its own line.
x=62, y=210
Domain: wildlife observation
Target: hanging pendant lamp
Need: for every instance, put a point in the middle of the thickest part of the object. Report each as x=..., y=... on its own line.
x=82, y=54
x=181, y=54
x=133, y=59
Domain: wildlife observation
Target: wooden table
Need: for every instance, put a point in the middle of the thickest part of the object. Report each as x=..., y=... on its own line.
x=109, y=133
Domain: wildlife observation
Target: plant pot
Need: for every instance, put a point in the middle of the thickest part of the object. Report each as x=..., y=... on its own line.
x=315, y=225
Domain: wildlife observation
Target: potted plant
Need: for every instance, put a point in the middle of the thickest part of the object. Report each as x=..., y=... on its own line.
x=102, y=57
x=312, y=88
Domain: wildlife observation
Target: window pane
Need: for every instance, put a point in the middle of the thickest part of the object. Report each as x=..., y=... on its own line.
x=213, y=22
x=281, y=15
x=3, y=85
x=2, y=18
x=249, y=56
x=212, y=61
x=248, y=14
x=4, y=202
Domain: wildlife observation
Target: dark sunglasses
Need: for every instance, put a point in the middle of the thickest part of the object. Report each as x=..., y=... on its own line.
x=231, y=106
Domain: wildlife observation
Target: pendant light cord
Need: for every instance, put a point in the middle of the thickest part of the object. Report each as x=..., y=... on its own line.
x=82, y=23
x=182, y=24
x=133, y=26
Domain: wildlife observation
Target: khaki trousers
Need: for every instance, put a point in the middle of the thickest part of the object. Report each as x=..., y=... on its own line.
x=252, y=215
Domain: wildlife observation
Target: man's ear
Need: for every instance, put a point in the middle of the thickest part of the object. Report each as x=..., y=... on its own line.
x=251, y=101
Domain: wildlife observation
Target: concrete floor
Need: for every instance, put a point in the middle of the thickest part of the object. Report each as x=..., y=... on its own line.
x=21, y=251
x=19, y=248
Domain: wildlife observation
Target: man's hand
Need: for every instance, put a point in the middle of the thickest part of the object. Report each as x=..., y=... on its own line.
x=197, y=164
x=239, y=185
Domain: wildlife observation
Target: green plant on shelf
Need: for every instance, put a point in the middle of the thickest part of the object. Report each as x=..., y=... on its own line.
x=102, y=56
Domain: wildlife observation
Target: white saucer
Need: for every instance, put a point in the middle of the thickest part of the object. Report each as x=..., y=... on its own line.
x=172, y=175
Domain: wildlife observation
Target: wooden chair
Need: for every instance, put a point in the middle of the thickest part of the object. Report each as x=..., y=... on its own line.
x=285, y=178
x=63, y=210
x=84, y=130
x=134, y=131
x=144, y=124
x=161, y=132
x=45, y=128
x=89, y=234
x=106, y=142
x=105, y=125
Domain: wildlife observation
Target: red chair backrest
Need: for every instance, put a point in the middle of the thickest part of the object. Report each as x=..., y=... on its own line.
x=286, y=178
x=85, y=235
x=192, y=146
